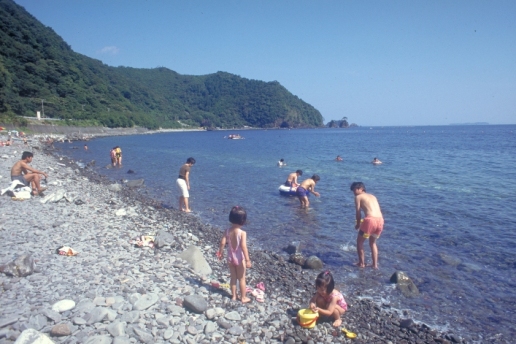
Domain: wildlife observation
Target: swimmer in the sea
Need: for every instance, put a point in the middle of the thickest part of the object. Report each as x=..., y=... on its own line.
x=376, y=161
x=307, y=186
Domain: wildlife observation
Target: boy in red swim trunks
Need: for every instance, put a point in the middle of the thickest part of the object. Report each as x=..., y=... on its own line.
x=371, y=227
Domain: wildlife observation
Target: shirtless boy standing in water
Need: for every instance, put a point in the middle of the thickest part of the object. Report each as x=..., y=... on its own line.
x=371, y=227
x=306, y=187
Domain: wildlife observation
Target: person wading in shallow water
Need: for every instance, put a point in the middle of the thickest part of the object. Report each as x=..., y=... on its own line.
x=371, y=227
x=183, y=183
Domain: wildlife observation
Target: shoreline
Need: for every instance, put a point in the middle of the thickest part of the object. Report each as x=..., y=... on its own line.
x=288, y=286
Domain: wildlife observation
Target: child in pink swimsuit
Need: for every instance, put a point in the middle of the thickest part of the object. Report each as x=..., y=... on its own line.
x=328, y=301
x=238, y=256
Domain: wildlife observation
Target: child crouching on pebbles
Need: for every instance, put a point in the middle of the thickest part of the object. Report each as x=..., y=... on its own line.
x=328, y=301
x=238, y=257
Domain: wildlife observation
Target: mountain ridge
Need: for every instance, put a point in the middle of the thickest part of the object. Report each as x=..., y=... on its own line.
x=40, y=71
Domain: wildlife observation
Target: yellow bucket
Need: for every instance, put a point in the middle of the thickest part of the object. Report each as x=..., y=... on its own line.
x=307, y=318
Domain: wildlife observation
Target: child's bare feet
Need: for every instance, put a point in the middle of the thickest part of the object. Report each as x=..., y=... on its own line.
x=246, y=300
x=360, y=265
x=337, y=322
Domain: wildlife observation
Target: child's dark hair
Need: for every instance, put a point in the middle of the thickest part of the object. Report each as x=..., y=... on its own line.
x=190, y=160
x=237, y=215
x=357, y=185
x=316, y=178
x=299, y=172
x=325, y=279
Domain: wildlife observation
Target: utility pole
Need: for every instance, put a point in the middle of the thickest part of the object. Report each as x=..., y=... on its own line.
x=42, y=108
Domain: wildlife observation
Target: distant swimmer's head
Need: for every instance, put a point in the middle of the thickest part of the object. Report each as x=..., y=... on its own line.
x=238, y=215
x=281, y=160
x=190, y=161
x=299, y=172
x=357, y=186
x=316, y=178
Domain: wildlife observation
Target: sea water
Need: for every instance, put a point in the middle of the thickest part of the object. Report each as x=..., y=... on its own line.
x=447, y=193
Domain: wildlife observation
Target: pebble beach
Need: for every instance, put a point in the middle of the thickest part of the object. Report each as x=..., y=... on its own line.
x=113, y=291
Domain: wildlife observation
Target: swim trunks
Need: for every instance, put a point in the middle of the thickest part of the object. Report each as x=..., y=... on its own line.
x=302, y=192
x=287, y=183
x=235, y=255
x=181, y=184
x=340, y=299
x=371, y=226
x=20, y=178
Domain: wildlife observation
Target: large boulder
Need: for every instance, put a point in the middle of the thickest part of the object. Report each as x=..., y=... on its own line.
x=135, y=183
x=404, y=284
x=314, y=263
x=20, y=267
x=115, y=187
x=297, y=258
x=195, y=303
x=164, y=238
x=193, y=256
x=293, y=247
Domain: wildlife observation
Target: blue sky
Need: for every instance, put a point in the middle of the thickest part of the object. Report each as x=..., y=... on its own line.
x=375, y=62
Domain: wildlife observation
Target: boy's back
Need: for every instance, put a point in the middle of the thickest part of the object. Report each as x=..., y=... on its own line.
x=368, y=204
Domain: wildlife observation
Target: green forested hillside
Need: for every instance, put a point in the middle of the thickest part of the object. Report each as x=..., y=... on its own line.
x=36, y=64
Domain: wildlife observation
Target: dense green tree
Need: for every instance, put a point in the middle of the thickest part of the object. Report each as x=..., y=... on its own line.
x=36, y=64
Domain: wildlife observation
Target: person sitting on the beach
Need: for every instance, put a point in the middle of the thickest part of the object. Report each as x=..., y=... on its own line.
x=371, y=227
x=328, y=301
x=282, y=163
x=338, y=158
x=19, y=173
x=292, y=179
x=306, y=187
x=376, y=161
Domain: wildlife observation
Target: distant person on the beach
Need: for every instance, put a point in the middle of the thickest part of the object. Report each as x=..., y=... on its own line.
x=292, y=179
x=118, y=154
x=281, y=163
x=306, y=187
x=183, y=183
x=328, y=301
x=376, y=161
x=371, y=227
x=22, y=172
x=25, y=141
x=238, y=256
x=112, y=153
x=338, y=158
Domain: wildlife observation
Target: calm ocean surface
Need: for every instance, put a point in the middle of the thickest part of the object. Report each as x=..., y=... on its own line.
x=448, y=194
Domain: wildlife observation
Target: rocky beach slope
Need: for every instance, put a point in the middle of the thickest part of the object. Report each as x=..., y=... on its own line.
x=113, y=291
